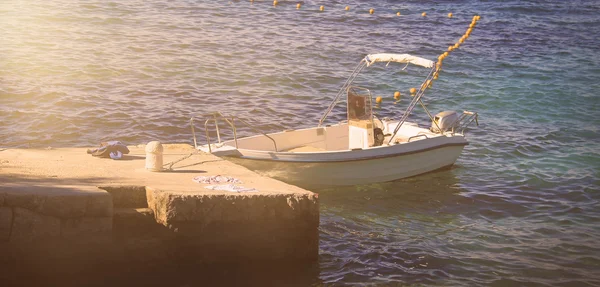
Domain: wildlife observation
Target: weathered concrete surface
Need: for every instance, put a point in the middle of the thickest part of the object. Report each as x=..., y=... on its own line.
x=127, y=195
x=30, y=226
x=72, y=167
x=267, y=227
x=57, y=200
x=88, y=229
x=137, y=225
x=6, y=217
x=52, y=212
x=52, y=194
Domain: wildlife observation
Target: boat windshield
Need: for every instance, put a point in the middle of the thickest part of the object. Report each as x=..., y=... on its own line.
x=359, y=104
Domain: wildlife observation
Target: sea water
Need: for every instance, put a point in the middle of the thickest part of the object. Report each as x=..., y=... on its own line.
x=520, y=206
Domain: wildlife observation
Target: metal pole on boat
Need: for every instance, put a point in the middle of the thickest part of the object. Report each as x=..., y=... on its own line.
x=193, y=132
x=412, y=104
x=217, y=128
x=343, y=90
x=232, y=124
x=430, y=116
x=207, y=135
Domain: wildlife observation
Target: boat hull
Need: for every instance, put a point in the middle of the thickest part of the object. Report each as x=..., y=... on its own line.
x=358, y=171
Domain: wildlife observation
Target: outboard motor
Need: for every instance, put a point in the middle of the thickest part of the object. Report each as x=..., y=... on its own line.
x=446, y=120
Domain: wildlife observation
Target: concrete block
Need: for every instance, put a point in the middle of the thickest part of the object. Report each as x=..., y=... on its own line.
x=55, y=210
x=89, y=229
x=31, y=226
x=24, y=199
x=157, y=201
x=150, y=197
x=188, y=208
x=64, y=205
x=127, y=196
x=260, y=226
x=6, y=217
x=235, y=208
x=138, y=224
x=99, y=204
x=60, y=201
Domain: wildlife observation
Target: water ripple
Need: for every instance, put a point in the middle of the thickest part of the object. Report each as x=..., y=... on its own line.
x=520, y=207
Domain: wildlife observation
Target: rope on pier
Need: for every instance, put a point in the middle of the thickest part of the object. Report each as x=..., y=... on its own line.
x=170, y=164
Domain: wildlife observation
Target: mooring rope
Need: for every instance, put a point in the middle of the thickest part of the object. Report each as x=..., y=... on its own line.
x=170, y=164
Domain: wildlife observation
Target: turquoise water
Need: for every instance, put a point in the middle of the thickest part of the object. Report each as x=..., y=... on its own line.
x=521, y=205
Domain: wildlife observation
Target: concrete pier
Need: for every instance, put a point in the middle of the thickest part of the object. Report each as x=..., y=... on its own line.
x=64, y=203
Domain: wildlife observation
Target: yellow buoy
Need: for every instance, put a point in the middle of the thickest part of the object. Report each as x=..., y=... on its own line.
x=371, y=11
x=378, y=100
x=423, y=14
x=449, y=15
x=298, y=6
x=426, y=85
x=347, y=8
x=322, y=8
x=275, y=3
x=450, y=48
x=462, y=40
x=440, y=58
x=445, y=54
x=398, y=14
x=435, y=76
x=478, y=17
x=397, y=95
x=456, y=46
x=413, y=91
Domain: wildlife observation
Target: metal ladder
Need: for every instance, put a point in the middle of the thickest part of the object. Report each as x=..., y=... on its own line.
x=465, y=119
x=214, y=117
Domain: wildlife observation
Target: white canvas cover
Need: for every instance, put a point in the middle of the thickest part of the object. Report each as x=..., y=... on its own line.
x=399, y=58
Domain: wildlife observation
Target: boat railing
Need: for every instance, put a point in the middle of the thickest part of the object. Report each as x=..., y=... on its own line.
x=417, y=136
x=465, y=119
x=230, y=120
x=459, y=125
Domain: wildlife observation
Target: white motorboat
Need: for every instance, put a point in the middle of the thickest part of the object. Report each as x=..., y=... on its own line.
x=363, y=149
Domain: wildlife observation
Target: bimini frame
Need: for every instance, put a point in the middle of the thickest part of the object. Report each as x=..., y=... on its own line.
x=384, y=57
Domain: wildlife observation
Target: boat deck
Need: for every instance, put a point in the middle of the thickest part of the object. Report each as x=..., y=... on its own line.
x=305, y=148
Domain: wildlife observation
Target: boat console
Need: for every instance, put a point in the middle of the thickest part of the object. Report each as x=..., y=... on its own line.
x=362, y=132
